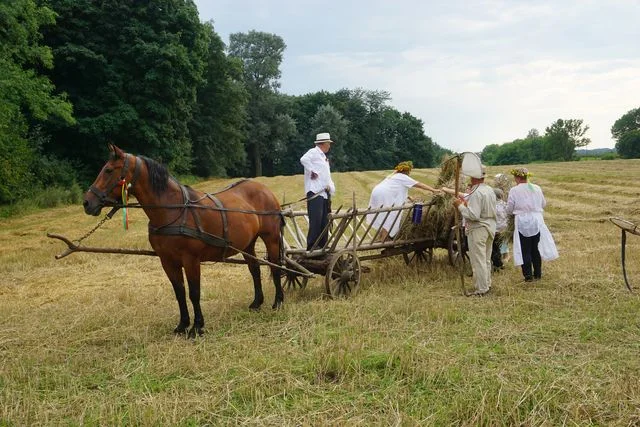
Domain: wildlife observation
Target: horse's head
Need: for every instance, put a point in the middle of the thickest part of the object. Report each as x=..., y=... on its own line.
x=106, y=190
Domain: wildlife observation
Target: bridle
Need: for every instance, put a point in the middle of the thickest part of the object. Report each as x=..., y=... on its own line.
x=103, y=196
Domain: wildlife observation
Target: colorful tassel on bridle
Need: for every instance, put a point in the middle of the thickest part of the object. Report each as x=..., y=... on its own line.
x=125, y=200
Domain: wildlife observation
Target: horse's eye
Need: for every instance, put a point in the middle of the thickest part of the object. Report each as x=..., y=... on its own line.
x=108, y=170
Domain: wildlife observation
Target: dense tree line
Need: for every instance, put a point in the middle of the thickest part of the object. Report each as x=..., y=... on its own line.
x=626, y=132
x=558, y=143
x=152, y=78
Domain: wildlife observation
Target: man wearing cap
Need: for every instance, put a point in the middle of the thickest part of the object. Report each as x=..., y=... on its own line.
x=319, y=188
x=479, y=212
x=532, y=241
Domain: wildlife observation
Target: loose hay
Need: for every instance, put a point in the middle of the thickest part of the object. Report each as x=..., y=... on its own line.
x=437, y=213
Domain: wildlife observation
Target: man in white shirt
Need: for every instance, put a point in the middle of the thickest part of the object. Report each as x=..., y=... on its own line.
x=479, y=212
x=532, y=241
x=319, y=188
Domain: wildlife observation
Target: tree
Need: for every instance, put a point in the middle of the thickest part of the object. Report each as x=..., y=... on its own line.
x=131, y=70
x=328, y=119
x=628, y=122
x=533, y=133
x=628, y=146
x=564, y=136
x=261, y=54
x=28, y=97
x=219, y=120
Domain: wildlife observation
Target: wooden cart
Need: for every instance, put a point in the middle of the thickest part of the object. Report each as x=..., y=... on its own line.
x=351, y=240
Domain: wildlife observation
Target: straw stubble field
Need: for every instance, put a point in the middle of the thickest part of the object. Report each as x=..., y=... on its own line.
x=87, y=339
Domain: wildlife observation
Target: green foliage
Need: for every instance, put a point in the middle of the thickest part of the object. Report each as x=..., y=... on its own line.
x=219, y=120
x=628, y=122
x=132, y=70
x=628, y=146
x=27, y=96
x=329, y=119
x=268, y=125
x=559, y=143
x=261, y=54
x=563, y=137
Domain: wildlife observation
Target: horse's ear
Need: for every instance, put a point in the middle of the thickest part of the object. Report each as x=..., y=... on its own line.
x=115, y=152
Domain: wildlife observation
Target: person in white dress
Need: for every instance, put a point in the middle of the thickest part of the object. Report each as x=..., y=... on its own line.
x=532, y=241
x=392, y=191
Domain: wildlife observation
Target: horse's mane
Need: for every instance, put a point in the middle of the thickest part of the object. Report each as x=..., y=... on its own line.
x=158, y=175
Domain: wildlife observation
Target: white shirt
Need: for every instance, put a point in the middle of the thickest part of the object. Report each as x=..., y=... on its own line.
x=526, y=202
x=392, y=191
x=316, y=161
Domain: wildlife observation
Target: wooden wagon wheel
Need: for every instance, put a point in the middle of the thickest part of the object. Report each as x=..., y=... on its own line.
x=293, y=281
x=343, y=274
x=418, y=256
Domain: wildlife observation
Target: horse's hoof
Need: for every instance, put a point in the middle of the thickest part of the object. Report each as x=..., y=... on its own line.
x=255, y=306
x=180, y=329
x=194, y=332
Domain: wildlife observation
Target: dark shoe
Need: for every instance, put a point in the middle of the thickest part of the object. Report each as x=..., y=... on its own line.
x=528, y=279
x=536, y=278
x=478, y=293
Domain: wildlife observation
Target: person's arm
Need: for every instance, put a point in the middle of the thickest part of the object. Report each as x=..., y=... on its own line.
x=452, y=192
x=472, y=209
x=307, y=161
x=448, y=190
x=425, y=187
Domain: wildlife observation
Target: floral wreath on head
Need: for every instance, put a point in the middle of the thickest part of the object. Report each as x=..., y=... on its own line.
x=521, y=173
x=404, y=166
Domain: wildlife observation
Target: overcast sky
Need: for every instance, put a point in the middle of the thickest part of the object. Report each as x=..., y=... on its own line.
x=475, y=72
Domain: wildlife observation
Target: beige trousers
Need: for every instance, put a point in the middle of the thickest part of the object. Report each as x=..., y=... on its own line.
x=480, y=241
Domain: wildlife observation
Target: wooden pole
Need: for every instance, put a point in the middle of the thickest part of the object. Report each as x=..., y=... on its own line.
x=459, y=226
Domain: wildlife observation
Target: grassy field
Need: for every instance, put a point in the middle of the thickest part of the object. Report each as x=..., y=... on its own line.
x=88, y=340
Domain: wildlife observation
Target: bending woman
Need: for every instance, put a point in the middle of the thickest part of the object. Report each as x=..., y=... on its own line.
x=393, y=191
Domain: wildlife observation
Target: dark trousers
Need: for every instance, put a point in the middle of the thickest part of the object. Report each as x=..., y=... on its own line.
x=531, y=256
x=496, y=256
x=318, y=210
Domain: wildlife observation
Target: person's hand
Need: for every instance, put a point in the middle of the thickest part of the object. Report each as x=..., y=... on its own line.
x=457, y=202
x=314, y=175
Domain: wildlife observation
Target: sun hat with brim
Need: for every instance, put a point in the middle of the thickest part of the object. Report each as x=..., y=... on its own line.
x=321, y=138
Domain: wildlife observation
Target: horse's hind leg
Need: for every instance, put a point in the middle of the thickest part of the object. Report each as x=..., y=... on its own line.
x=273, y=255
x=254, y=268
x=174, y=273
x=192, y=271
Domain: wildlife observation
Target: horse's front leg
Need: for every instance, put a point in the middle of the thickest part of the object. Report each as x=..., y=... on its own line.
x=192, y=271
x=254, y=268
x=174, y=273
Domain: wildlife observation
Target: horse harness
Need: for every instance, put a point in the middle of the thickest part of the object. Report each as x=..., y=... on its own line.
x=183, y=229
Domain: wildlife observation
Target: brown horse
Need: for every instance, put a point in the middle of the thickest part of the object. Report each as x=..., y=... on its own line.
x=187, y=227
